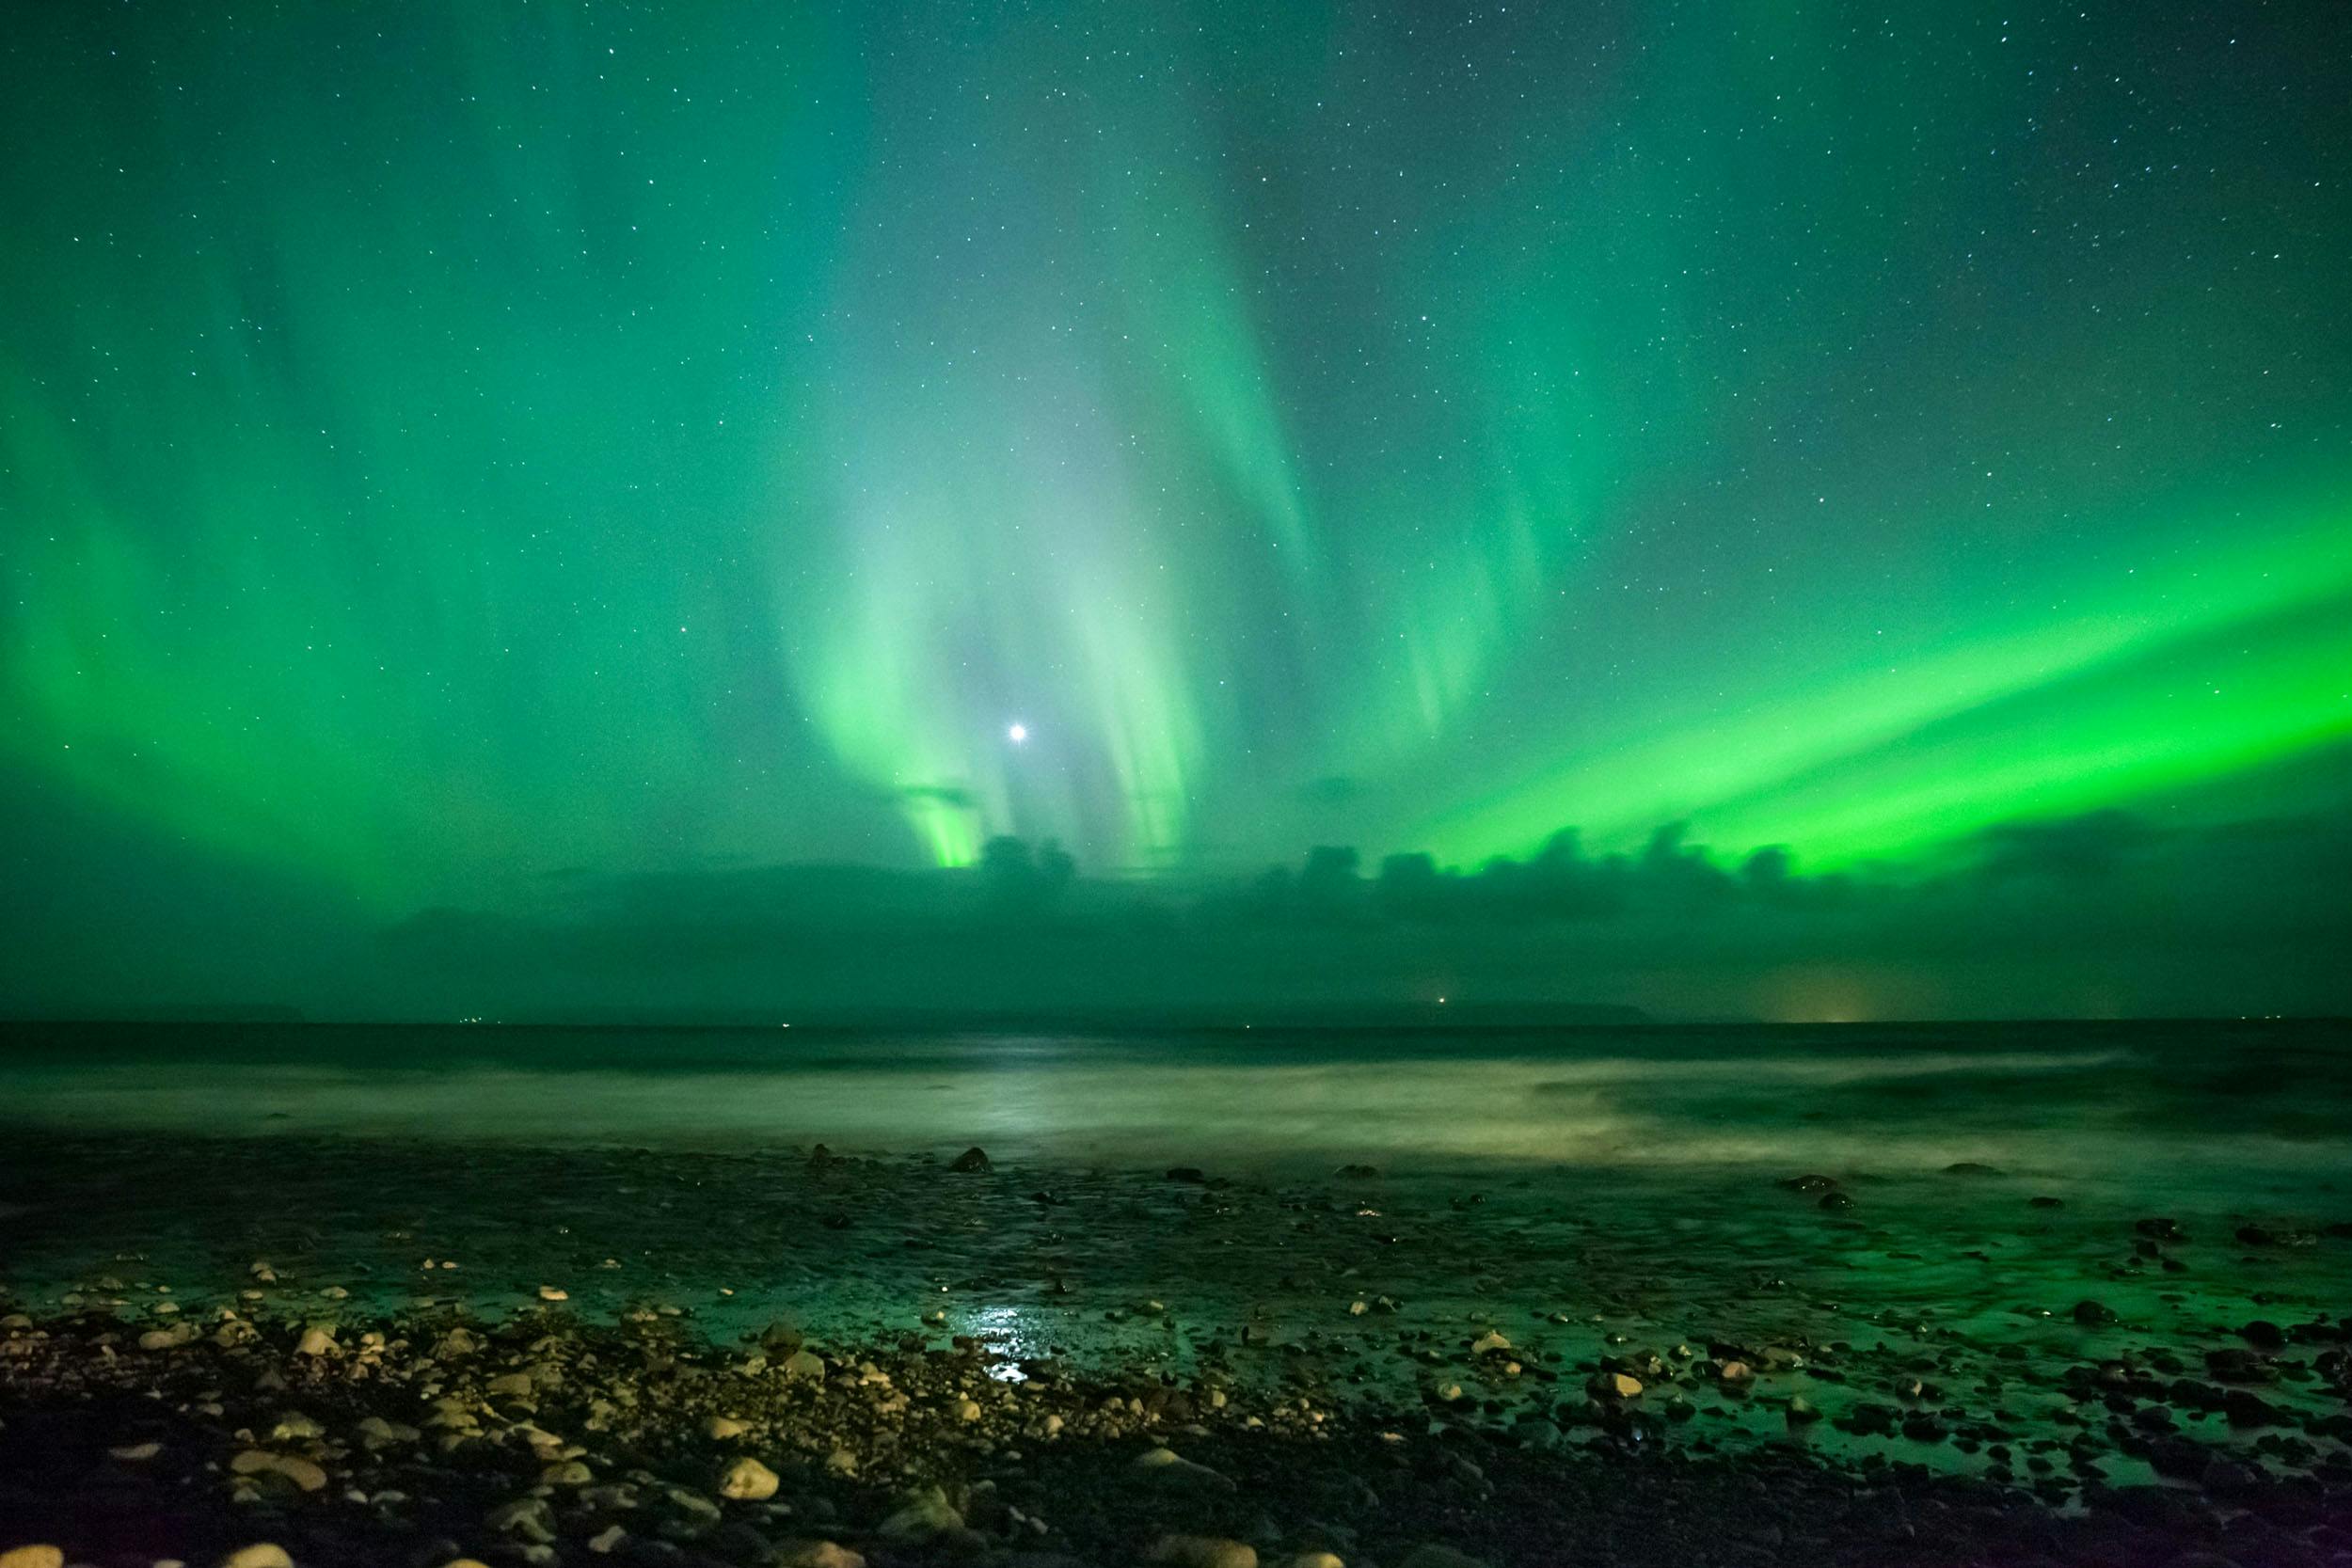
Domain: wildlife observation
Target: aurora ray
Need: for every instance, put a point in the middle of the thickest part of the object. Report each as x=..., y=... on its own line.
x=561, y=442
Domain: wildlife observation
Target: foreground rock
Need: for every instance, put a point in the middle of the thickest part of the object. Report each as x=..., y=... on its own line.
x=417, y=1447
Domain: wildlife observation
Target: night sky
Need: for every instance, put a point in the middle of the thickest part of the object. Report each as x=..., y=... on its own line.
x=637, y=498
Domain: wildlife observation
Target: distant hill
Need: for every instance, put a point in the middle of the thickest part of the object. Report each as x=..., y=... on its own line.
x=1374, y=1015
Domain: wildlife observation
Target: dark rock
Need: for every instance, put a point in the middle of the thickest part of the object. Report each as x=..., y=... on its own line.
x=2227, y=1478
x=1970, y=1167
x=2093, y=1314
x=2247, y=1409
x=2160, y=1231
x=2045, y=1202
x=1808, y=1183
x=2195, y=1395
x=1867, y=1421
x=1187, y=1173
x=2263, y=1335
x=1836, y=1201
x=971, y=1160
x=2179, y=1457
x=2238, y=1366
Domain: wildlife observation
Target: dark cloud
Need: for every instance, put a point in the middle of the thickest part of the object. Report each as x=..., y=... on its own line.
x=2105, y=913
x=2107, y=910
x=2096, y=845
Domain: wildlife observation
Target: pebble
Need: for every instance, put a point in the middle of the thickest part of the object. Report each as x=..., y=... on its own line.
x=1317, y=1559
x=1433, y=1554
x=302, y=1472
x=376, y=1433
x=262, y=1554
x=920, y=1516
x=1168, y=1465
x=724, y=1427
x=748, y=1480
x=32, y=1556
x=527, y=1517
x=316, y=1340
x=1202, y=1551
x=816, y=1554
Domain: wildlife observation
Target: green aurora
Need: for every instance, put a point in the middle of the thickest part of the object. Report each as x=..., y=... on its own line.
x=449, y=447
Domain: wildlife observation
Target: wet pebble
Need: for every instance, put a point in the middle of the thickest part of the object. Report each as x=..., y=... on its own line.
x=748, y=1480
x=816, y=1554
x=1202, y=1551
x=1436, y=1555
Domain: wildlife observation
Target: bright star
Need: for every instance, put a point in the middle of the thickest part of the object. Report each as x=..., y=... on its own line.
x=1017, y=732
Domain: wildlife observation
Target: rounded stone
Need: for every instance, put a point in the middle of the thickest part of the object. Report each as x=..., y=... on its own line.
x=748, y=1480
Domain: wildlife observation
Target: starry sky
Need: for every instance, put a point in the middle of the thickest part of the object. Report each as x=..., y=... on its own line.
x=456, y=456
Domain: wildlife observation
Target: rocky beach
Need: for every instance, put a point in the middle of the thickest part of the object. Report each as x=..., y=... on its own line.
x=280, y=1346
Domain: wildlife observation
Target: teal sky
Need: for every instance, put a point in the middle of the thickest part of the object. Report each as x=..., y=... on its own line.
x=450, y=448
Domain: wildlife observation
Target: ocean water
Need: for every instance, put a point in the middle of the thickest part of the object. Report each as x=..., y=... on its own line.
x=2250, y=1107
x=1364, y=1202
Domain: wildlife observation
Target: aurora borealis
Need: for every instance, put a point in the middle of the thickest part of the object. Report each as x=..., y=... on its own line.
x=450, y=451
